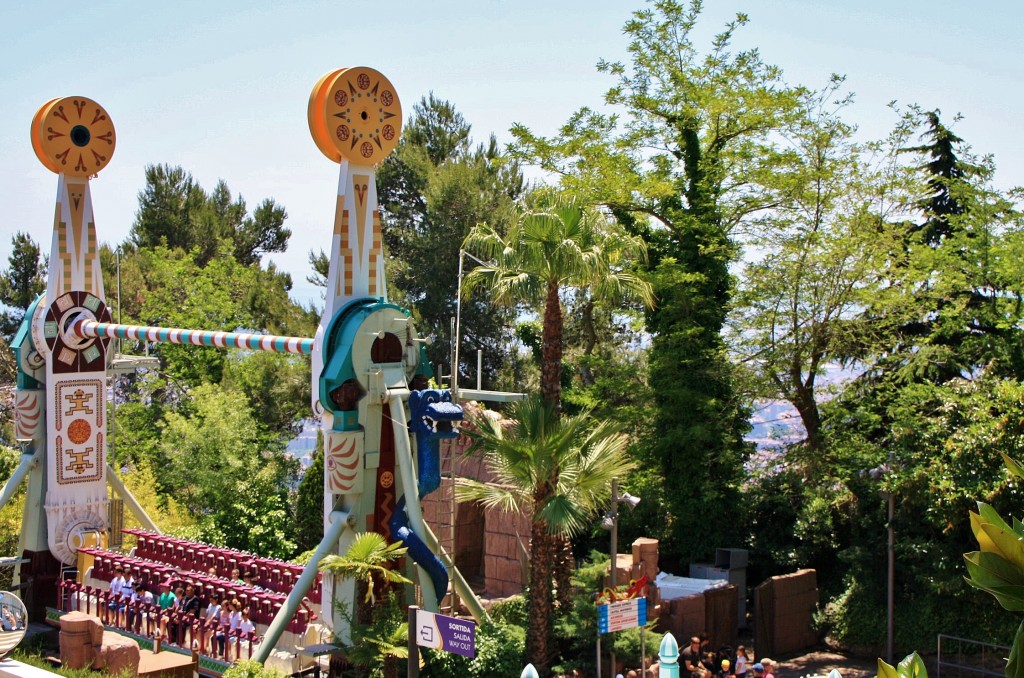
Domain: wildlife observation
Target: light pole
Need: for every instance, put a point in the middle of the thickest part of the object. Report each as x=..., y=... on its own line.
x=611, y=522
x=879, y=473
x=454, y=378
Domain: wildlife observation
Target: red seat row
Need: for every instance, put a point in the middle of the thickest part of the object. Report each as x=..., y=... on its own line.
x=263, y=605
x=269, y=573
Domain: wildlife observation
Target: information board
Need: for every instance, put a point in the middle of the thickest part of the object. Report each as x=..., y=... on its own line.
x=621, y=615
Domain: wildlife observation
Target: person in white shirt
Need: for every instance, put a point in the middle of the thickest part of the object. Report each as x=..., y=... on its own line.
x=128, y=588
x=234, y=620
x=118, y=596
x=212, y=610
x=140, y=596
x=117, y=583
x=211, y=618
x=245, y=627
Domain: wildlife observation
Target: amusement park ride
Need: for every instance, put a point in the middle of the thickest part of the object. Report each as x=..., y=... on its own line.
x=370, y=375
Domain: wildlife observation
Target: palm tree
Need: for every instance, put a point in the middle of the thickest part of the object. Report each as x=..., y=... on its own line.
x=384, y=643
x=546, y=251
x=557, y=470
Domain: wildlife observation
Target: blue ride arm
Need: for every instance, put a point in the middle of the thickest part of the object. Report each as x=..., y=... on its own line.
x=419, y=551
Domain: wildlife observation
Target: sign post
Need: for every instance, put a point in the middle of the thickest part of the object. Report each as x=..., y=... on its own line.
x=440, y=632
x=414, y=648
x=619, y=616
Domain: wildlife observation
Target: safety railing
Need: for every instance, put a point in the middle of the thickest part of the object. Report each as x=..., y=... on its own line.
x=971, y=656
x=208, y=637
x=263, y=605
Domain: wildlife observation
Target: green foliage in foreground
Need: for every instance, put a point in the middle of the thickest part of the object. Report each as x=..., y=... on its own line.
x=998, y=566
x=912, y=666
x=250, y=668
x=576, y=629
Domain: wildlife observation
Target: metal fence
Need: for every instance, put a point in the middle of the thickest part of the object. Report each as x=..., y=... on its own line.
x=963, y=657
x=8, y=566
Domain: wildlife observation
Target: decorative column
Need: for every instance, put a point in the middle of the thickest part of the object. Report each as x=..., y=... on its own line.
x=355, y=118
x=73, y=137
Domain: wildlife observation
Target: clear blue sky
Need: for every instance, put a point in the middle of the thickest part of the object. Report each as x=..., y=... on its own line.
x=221, y=88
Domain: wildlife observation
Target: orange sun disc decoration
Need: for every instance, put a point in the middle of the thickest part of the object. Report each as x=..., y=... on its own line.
x=73, y=136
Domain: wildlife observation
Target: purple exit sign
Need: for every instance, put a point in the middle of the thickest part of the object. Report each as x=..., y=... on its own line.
x=445, y=633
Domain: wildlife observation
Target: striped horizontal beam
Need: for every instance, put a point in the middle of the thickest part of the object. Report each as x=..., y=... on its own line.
x=170, y=335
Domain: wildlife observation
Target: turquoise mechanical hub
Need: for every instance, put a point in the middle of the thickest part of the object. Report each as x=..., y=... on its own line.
x=370, y=346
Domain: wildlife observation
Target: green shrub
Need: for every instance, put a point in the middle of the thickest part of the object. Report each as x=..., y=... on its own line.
x=510, y=611
x=251, y=668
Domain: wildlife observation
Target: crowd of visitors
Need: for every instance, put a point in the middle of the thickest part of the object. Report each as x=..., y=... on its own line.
x=183, y=605
x=700, y=661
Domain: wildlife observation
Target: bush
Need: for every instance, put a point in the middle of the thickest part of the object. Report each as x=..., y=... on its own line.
x=510, y=611
x=250, y=668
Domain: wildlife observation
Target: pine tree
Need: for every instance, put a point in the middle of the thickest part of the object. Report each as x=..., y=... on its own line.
x=309, y=504
x=21, y=283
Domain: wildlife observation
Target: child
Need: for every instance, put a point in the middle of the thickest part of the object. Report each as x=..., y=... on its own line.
x=245, y=625
x=726, y=670
x=234, y=619
x=741, y=662
x=211, y=619
x=223, y=624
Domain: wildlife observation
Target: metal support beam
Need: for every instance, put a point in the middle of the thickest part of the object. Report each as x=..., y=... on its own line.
x=28, y=460
x=340, y=520
x=133, y=504
x=172, y=335
x=468, y=595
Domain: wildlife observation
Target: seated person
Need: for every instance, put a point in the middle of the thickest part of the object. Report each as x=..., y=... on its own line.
x=691, y=660
x=140, y=597
x=248, y=579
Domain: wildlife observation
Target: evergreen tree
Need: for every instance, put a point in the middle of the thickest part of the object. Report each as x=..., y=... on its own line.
x=433, y=189
x=944, y=169
x=22, y=281
x=684, y=170
x=175, y=211
x=309, y=504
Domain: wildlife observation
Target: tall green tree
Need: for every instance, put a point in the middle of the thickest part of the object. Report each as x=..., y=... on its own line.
x=175, y=211
x=823, y=255
x=433, y=190
x=309, y=502
x=935, y=391
x=21, y=282
x=965, y=287
x=944, y=169
x=546, y=252
x=556, y=470
x=682, y=162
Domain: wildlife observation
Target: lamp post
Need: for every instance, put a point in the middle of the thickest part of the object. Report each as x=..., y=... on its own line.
x=457, y=331
x=611, y=522
x=879, y=473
